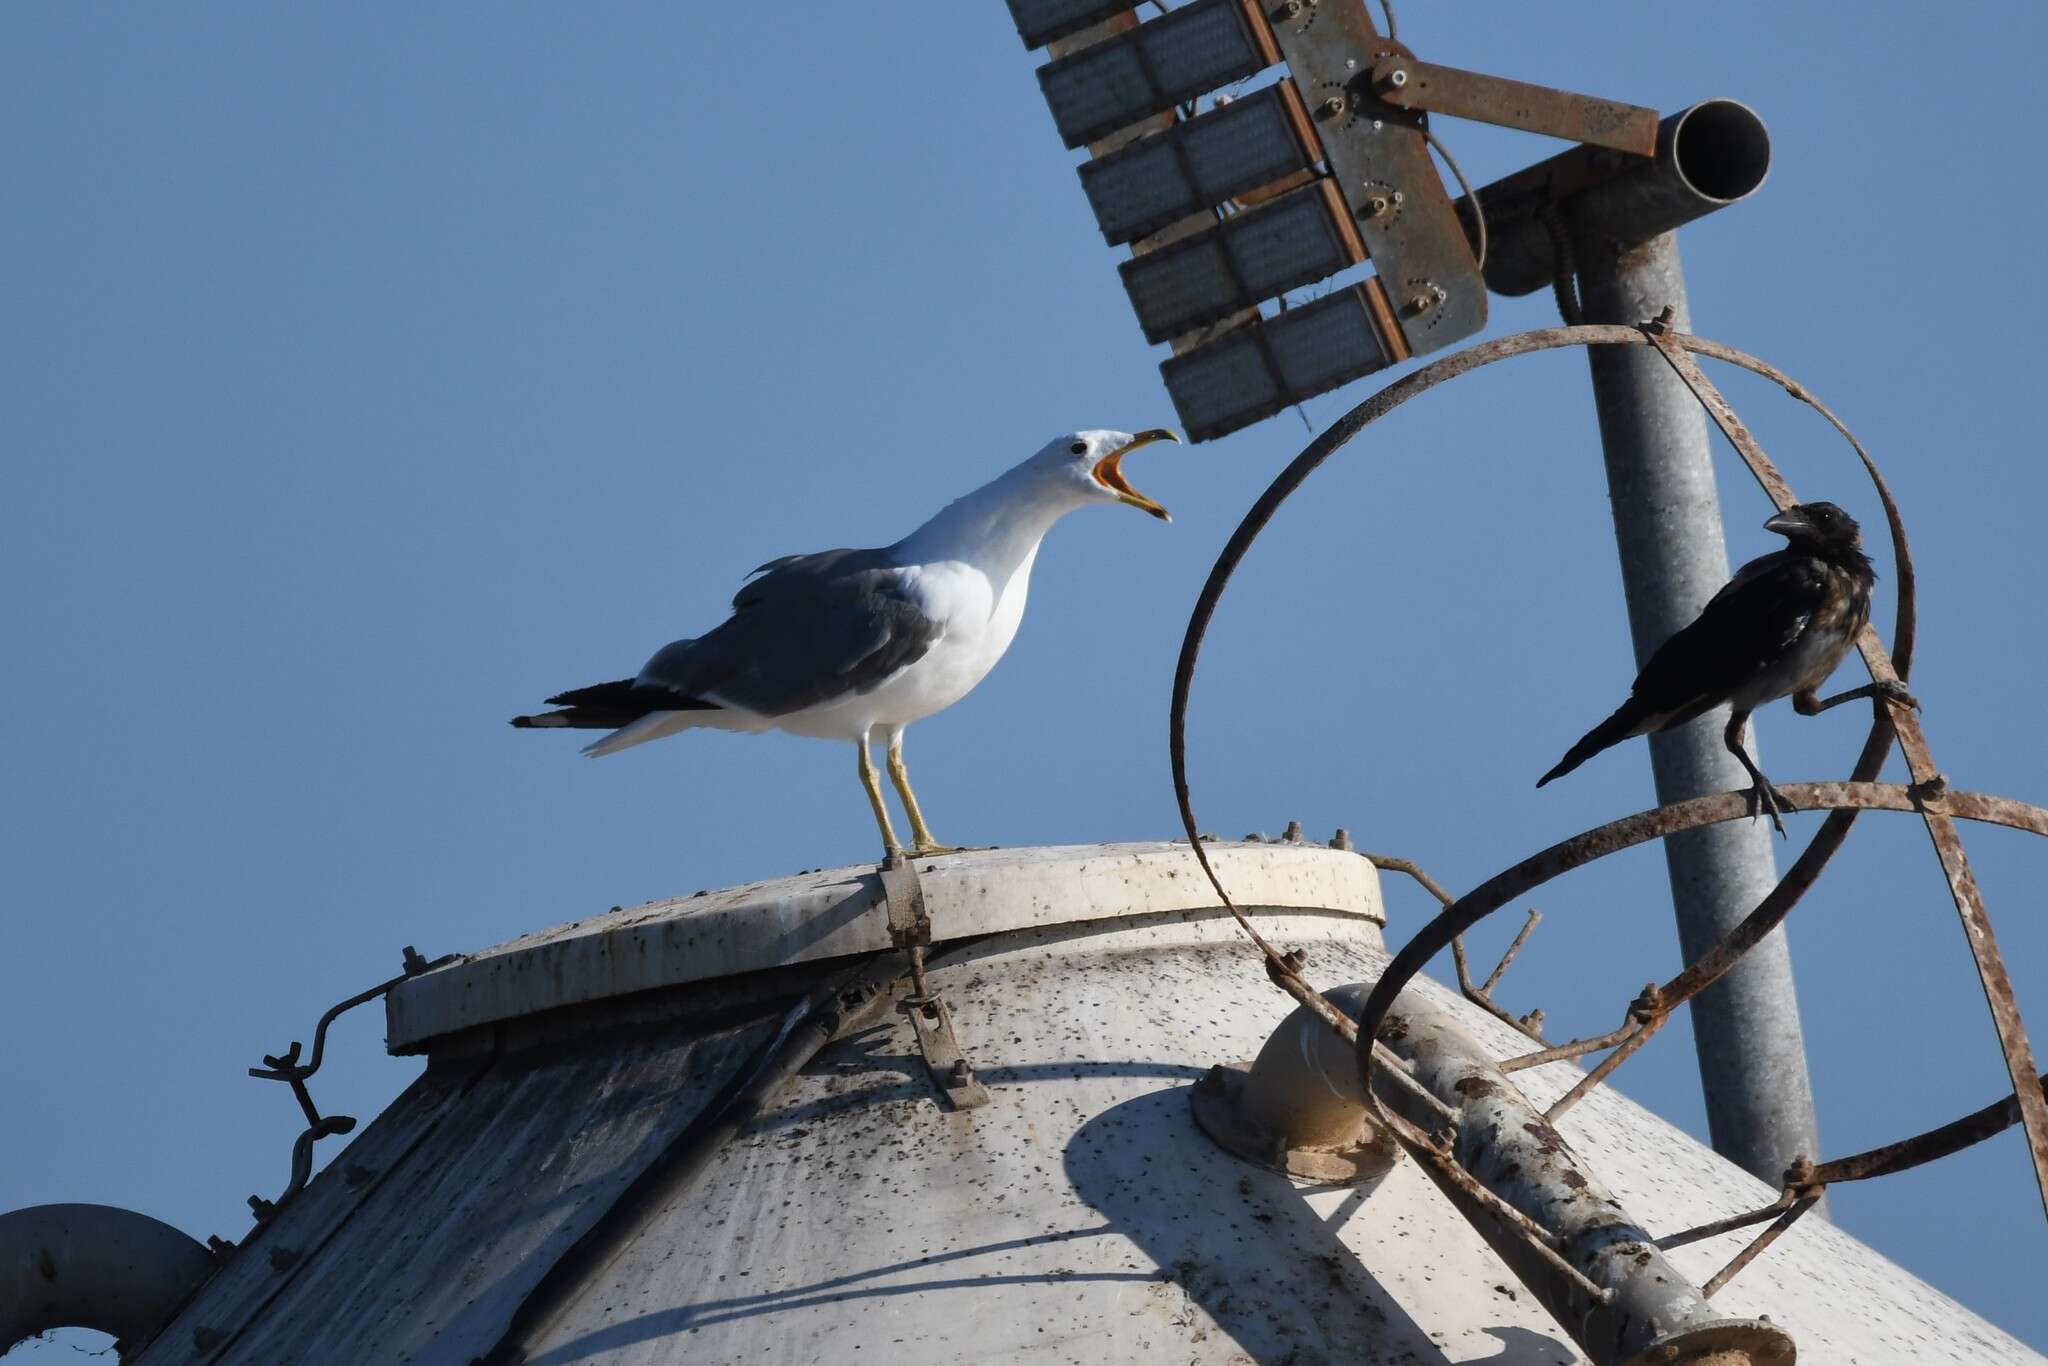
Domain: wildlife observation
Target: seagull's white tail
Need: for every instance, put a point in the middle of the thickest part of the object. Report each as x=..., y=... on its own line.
x=652, y=726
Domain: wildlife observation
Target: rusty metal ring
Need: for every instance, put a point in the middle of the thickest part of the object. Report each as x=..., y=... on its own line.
x=1833, y=831
x=1664, y=821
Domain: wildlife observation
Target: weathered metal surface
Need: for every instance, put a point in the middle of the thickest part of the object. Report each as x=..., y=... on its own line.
x=842, y=911
x=433, y=1262
x=1709, y=156
x=1200, y=163
x=1083, y=1215
x=1303, y=236
x=1379, y=158
x=1646, y=1304
x=1154, y=66
x=276, y=1251
x=93, y=1266
x=1407, y=83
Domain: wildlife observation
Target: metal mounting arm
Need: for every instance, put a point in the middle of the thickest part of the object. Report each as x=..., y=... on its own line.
x=1402, y=81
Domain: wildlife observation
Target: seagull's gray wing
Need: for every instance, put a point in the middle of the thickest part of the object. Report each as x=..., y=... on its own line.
x=810, y=629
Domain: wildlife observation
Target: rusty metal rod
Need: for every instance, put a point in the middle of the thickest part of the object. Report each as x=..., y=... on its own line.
x=1952, y=1137
x=1628, y=1049
x=1576, y=1048
x=1762, y=1241
x=1521, y=938
x=1734, y=1221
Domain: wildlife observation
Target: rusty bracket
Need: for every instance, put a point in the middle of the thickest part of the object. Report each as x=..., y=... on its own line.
x=1379, y=157
x=287, y=1068
x=931, y=1019
x=1406, y=83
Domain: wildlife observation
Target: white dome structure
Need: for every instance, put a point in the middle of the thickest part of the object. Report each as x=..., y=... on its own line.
x=704, y=1130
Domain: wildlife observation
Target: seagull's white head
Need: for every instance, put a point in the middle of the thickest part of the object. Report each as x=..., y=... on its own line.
x=1091, y=464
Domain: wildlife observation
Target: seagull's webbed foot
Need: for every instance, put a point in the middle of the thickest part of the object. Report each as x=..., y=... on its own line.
x=926, y=847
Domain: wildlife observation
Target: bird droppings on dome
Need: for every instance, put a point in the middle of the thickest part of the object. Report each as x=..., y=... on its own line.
x=623, y=1173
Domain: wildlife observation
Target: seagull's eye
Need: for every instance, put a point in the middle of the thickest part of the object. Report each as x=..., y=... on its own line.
x=1079, y=448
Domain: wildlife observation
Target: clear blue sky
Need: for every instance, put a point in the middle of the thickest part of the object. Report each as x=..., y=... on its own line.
x=367, y=379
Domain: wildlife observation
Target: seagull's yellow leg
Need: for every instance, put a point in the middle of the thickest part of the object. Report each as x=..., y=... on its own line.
x=920, y=834
x=872, y=781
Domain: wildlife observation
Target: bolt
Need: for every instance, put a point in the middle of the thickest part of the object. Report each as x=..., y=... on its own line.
x=1333, y=106
x=1377, y=205
x=1421, y=303
x=1394, y=79
x=1293, y=834
x=1341, y=840
x=1292, y=9
x=1398, y=196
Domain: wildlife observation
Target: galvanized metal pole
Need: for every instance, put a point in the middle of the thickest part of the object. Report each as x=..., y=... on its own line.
x=1667, y=523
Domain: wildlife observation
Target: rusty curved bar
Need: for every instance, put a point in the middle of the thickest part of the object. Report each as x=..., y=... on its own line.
x=1833, y=831
x=1947, y=840
x=1660, y=823
x=1417, y=382
x=1951, y=1137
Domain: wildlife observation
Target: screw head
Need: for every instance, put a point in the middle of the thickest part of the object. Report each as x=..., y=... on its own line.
x=1397, y=78
x=1377, y=205
x=1292, y=9
x=1333, y=106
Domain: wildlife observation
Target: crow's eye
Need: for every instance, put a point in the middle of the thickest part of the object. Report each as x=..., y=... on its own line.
x=1079, y=448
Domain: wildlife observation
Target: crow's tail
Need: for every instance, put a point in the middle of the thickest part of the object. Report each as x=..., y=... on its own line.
x=1630, y=718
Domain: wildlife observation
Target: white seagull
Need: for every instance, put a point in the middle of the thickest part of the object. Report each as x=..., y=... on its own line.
x=857, y=644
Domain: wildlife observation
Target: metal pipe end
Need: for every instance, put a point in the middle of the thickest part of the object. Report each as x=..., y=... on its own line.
x=1719, y=149
x=1727, y=1342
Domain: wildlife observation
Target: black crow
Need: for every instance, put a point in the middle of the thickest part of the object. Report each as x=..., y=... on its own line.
x=1777, y=629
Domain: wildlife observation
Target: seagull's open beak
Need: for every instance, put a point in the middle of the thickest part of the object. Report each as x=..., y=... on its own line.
x=1109, y=473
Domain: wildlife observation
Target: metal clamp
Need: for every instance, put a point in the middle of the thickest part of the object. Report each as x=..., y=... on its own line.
x=931, y=1020
x=287, y=1068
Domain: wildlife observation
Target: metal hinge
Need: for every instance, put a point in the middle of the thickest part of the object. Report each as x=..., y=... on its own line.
x=910, y=929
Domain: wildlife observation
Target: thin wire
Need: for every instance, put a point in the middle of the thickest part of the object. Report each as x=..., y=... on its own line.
x=1393, y=27
x=1478, y=213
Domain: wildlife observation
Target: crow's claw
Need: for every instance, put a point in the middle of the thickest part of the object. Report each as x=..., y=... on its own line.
x=1765, y=800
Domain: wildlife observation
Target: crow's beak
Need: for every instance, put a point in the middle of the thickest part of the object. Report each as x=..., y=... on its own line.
x=1790, y=522
x=1109, y=473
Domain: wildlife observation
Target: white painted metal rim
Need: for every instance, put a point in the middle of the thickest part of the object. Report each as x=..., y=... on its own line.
x=839, y=911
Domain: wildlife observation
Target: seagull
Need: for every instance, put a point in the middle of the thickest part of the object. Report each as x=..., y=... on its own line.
x=1777, y=629
x=857, y=644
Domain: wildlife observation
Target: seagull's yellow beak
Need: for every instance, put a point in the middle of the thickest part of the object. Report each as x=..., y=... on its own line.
x=1109, y=472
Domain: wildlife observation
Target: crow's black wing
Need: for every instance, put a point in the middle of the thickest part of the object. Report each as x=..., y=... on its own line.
x=1747, y=628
